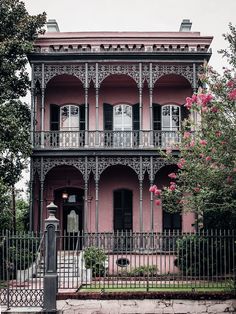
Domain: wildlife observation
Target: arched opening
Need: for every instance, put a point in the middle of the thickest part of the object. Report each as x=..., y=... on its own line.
x=169, y=94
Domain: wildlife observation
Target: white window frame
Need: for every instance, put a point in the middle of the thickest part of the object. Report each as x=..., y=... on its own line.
x=123, y=137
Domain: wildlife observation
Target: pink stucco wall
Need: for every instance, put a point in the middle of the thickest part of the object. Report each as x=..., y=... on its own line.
x=67, y=89
x=113, y=178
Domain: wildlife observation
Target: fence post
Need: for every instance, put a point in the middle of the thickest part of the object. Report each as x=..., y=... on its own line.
x=51, y=277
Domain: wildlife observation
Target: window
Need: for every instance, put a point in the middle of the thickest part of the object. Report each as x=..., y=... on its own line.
x=123, y=210
x=170, y=118
x=170, y=124
x=69, y=118
x=122, y=118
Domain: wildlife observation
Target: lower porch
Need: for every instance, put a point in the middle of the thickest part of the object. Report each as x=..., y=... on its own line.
x=105, y=194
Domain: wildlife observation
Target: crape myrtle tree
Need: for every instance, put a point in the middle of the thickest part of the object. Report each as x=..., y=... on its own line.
x=18, y=30
x=205, y=182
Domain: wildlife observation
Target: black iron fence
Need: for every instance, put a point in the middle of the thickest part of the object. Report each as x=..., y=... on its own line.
x=21, y=255
x=205, y=260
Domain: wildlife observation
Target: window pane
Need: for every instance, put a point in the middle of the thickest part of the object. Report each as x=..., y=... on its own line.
x=122, y=118
x=69, y=117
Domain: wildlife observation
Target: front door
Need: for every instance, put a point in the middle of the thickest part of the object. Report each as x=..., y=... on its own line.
x=73, y=226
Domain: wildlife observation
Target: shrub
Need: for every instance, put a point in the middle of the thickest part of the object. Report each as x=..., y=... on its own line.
x=95, y=259
x=144, y=271
x=207, y=256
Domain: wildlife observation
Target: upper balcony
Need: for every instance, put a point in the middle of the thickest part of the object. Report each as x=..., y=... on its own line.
x=108, y=140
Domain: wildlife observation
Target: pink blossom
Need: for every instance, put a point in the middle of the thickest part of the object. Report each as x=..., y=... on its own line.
x=172, y=175
x=218, y=133
x=157, y=192
x=158, y=202
x=203, y=142
x=232, y=95
x=172, y=187
x=197, y=189
x=204, y=109
x=204, y=99
x=214, y=109
x=208, y=158
x=230, y=83
x=181, y=163
x=186, y=135
x=152, y=188
x=192, y=143
x=201, y=155
x=188, y=103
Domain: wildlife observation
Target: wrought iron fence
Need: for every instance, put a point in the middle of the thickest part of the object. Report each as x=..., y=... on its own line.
x=203, y=260
x=123, y=260
x=106, y=139
x=21, y=257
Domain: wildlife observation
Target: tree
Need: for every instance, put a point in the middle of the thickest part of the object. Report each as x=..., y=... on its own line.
x=205, y=182
x=18, y=30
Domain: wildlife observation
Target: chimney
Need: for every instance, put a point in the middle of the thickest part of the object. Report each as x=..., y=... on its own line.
x=185, y=26
x=52, y=26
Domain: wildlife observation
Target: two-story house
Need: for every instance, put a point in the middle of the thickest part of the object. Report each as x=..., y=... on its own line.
x=103, y=105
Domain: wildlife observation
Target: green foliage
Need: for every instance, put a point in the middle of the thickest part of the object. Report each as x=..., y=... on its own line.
x=205, y=256
x=18, y=30
x=15, y=146
x=95, y=259
x=206, y=178
x=144, y=271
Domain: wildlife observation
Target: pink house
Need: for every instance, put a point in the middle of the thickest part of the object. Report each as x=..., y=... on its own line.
x=103, y=105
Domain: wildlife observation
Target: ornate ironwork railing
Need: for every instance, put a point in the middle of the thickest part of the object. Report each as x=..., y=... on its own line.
x=105, y=139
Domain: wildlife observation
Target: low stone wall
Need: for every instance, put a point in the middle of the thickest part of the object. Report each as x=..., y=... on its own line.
x=71, y=306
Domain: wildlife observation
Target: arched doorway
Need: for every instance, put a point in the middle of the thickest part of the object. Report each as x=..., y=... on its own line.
x=72, y=204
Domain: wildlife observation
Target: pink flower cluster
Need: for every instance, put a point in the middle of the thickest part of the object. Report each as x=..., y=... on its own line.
x=181, y=163
x=153, y=189
x=201, y=100
x=232, y=94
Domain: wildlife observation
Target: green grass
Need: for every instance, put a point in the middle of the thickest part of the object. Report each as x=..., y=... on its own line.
x=156, y=289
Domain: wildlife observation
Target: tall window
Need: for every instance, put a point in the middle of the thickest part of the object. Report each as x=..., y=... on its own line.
x=122, y=118
x=170, y=118
x=69, y=118
x=123, y=210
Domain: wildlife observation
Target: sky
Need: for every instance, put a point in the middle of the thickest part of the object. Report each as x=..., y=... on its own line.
x=210, y=17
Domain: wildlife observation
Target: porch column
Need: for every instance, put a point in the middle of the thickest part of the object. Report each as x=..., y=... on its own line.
x=151, y=177
x=42, y=108
x=41, y=196
x=140, y=104
x=31, y=202
x=141, y=195
x=97, y=106
x=96, y=198
x=86, y=104
x=86, y=196
x=150, y=105
x=32, y=113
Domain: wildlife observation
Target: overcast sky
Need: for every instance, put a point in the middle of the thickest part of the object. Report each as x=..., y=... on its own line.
x=210, y=17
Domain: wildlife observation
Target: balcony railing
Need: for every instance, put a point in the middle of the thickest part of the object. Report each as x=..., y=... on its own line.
x=105, y=139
